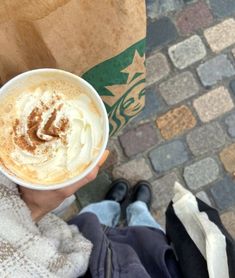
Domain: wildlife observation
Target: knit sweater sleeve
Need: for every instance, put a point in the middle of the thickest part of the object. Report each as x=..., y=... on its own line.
x=49, y=249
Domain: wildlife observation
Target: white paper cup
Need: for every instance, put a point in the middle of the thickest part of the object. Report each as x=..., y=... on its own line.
x=28, y=79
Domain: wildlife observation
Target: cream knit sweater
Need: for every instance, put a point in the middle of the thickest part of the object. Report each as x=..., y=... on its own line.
x=49, y=249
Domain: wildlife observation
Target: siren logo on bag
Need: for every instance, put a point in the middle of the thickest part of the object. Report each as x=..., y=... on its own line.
x=123, y=94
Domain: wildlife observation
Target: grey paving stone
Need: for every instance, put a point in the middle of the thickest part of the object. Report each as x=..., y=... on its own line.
x=157, y=68
x=163, y=190
x=228, y=219
x=160, y=33
x=194, y=17
x=133, y=170
x=215, y=70
x=232, y=86
x=223, y=193
x=154, y=105
x=201, y=173
x=221, y=36
x=222, y=8
x=187, y=52
x=233, y=52
x=158, y=8
x=168, y=156
x=230, y=123
x=227, y=157
x=179, y=88
x=213, y=104
x=114, y=156
x=204, y=197
x=94, y=191
x=138, y=140
x=206, y=139
x=152, y=9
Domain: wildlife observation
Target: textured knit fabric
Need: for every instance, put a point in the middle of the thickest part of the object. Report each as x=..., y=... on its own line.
x=49, y=248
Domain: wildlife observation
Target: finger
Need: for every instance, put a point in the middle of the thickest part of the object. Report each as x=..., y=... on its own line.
x=103, y=158
x=90, y=177
x=73, y=188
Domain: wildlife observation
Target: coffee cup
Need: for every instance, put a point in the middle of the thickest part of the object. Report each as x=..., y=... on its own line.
x=57, y=128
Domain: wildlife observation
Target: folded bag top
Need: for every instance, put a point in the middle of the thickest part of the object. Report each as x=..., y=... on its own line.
x=101, y=41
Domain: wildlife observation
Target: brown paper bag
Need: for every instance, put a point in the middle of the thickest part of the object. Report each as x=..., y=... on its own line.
x=101, y=40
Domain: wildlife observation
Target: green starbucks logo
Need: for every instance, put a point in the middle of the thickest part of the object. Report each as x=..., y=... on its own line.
x=120, y=81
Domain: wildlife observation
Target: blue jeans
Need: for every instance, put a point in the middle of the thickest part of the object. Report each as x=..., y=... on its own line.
x=108, y=213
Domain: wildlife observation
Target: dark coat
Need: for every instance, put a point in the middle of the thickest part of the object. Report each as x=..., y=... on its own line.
x=130, y=252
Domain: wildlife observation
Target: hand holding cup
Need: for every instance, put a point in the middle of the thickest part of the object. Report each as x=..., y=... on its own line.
x=42, y=202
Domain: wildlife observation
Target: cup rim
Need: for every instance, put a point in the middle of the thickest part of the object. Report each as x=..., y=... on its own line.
x=89, y=169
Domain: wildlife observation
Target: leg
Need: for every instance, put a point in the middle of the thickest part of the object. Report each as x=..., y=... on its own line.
x=108, y=212
x=139, y=215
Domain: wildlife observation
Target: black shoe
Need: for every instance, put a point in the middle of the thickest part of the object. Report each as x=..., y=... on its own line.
x=142, y=192
x=119, y=191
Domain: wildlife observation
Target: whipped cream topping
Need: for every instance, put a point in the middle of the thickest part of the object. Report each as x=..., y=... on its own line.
x=55, y=136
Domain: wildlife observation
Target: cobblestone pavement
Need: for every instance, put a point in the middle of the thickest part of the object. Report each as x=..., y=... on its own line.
x=187, y=130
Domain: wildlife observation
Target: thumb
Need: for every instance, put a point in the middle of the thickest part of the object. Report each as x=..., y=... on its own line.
x=103, y=158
